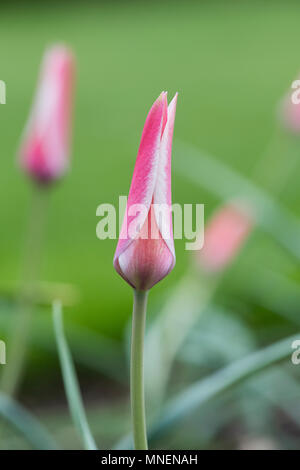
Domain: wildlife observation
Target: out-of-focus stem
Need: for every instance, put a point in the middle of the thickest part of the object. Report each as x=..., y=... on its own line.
x=20, y=331
x=137, y=370
x=278, y=162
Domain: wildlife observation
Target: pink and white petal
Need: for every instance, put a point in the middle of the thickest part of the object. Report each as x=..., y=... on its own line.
x=145, y=171
x=162, y=192
x=146, y=261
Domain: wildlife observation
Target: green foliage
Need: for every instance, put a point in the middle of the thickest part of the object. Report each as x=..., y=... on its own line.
x=70, y=381
x=24, y=422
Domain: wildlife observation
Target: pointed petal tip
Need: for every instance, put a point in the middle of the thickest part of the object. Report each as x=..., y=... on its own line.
x=59, y=50
x=160, y=101
x=174, y=99
x=163, y=97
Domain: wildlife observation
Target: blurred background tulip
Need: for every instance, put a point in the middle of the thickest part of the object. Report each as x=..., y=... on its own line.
x=44, y=155
x=224, y=236
x=44, y=152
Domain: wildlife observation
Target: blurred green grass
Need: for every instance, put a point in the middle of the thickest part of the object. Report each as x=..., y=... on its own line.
x=230, y=61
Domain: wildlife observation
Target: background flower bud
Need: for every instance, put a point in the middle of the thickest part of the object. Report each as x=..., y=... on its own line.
x=45, y=147
x=224, y=236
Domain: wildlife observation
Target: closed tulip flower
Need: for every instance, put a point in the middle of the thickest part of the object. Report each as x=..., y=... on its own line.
x=44, y=156
x=145, y=252
x=147, y=255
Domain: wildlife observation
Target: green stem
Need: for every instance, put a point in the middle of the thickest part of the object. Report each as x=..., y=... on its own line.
x=17, y=345
x=137, y=370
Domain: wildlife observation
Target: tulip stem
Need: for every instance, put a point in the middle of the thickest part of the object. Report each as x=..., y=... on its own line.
x=137, y=370
x=20, y=334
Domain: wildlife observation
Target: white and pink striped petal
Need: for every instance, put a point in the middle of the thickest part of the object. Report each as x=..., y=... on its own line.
x=145, y=252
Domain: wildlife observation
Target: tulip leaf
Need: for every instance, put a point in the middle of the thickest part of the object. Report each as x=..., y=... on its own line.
x=206, y=389
x=25, y=423
x=70, y=381
x=196, y=395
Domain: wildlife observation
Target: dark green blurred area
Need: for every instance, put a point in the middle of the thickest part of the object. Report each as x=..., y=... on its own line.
x=231, y=63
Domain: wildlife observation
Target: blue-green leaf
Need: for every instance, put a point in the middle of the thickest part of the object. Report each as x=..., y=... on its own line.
x=70, y=381
x=25, y=423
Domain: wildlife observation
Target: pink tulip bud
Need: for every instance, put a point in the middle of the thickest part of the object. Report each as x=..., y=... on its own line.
x=289, y=109
x=224, y=236
x=145, y=252
x=44, y=152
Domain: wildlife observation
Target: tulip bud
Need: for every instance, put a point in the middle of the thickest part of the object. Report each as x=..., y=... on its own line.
x=44, y=152
x=145, y=252
x=224, y=236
